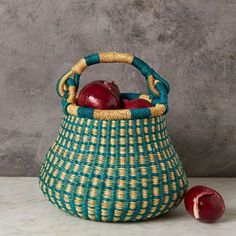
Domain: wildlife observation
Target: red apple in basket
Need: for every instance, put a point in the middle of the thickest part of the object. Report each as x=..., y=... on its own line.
x=110, y=85
x=99, y=94
x=135, y=103
x=204, y=204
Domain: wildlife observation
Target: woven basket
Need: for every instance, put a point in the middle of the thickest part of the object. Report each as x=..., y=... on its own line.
x=113, y=165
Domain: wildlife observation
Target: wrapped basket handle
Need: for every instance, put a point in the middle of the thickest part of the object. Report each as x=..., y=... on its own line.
x=158, y=87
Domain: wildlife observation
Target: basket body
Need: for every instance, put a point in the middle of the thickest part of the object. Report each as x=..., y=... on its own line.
x=113, y=170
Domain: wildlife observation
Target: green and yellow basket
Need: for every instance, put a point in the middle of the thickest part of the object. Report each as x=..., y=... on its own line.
x=113, y=165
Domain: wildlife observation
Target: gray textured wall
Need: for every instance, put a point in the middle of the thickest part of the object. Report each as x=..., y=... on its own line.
x=191, y=43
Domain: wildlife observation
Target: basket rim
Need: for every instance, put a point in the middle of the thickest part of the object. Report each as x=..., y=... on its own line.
x=119, y=114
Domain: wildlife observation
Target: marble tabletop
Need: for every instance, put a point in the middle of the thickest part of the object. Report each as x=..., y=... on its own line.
x=25, y=211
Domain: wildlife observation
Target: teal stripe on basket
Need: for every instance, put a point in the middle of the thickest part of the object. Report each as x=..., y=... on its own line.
x=85, y=112
x=142, y=67
x=149, y=170
x=163, y=98
x=88, y=185
x=92, y=59
x=77, y=78
x=130, y=95
x=70, y=82
x=65, y=180
x=127, y=174
x=102, y=187
x=141, y=112
x=57, y=86
x=79, y=172
x=158, y=77
x=138, y=174
x=64, y=104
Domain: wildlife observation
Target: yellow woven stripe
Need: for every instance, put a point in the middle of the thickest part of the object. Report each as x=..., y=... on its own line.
x=145, y=97
x=80, y=66
x=65, y=88
x=110, y=57
x=72, y=109
x=112, y=114
x=158, y=110
x=72, y=93
x=151, y=83
x=156, y=81
x=62, y=82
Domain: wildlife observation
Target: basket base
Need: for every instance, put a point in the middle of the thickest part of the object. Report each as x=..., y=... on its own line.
x=113, y=171
x=116, y=218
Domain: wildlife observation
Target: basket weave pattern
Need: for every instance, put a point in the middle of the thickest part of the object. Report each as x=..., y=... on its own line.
x=113, y=170
x=113, y=165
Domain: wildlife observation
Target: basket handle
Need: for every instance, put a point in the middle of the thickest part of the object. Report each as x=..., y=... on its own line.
x=157, y=86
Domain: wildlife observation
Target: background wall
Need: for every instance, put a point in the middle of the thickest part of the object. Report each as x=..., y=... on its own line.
x=191, y=43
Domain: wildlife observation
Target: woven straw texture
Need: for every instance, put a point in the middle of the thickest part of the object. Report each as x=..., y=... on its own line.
x=113, y=165
x=117, y=170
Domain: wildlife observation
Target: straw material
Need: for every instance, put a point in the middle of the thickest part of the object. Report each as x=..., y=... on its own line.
x=151, y=83
x=113, y=170
x=113, y=165
x=113, y=57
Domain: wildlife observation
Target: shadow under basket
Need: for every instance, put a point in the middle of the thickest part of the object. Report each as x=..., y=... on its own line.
x=113, y=165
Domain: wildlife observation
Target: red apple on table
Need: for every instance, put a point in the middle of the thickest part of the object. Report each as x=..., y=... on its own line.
x=204, y=204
